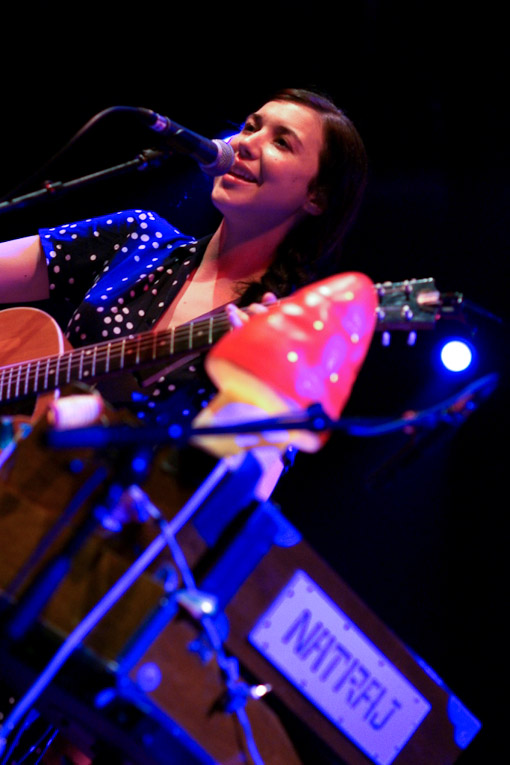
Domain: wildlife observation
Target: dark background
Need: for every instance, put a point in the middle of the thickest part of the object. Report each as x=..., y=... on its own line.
x=416, y=528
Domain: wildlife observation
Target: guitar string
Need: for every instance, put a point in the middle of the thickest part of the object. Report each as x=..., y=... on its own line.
x=126, y=348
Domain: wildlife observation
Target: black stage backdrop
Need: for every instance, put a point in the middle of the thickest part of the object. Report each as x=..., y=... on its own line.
x=416, y=529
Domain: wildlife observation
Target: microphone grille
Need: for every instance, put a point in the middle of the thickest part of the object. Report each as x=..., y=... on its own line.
x=223, y=161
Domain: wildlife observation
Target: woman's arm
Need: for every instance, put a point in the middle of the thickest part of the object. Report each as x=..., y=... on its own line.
x=23, y=272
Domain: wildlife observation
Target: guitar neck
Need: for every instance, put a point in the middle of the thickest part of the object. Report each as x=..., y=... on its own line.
x=92, y=362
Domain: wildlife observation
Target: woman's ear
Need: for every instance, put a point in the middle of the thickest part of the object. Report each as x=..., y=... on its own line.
x=316, y=202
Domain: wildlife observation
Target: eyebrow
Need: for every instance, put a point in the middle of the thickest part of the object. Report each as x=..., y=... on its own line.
x=279, y=129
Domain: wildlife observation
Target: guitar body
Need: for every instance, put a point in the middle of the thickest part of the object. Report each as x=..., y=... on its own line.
x=25, y=334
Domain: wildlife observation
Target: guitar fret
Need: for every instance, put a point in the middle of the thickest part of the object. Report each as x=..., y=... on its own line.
x=57, y=371
x=9, y=382
x=190, y=338
x=18, y=381
x=69, y=364
x=210, y=333
x=172, y=340
x=80, y=365
x=94, y=359
x=123, y=348
x=46, y=374
x=27, y=378
x=5, y=381
x=36, y=376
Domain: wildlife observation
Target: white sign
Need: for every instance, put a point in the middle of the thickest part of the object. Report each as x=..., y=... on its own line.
x=327, y=657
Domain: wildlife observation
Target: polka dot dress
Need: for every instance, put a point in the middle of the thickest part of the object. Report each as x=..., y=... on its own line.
x=117, y=274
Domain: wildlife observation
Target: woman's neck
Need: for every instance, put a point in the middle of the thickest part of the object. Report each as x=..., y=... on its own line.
x=234, y=254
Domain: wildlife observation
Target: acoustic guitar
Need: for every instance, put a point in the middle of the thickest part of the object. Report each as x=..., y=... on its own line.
x=36, y=358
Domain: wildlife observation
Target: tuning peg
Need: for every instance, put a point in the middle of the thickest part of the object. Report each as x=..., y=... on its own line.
x=380, y=313
x=386, y=339
x=406, y=312
x=411, y=338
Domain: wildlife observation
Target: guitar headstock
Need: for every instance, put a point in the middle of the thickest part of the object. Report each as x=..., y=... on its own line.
x=412, y=304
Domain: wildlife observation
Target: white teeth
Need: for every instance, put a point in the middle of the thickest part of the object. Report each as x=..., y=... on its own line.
x=246, y=176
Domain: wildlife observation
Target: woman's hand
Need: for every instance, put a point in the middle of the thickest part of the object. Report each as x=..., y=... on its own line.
x=238, y=316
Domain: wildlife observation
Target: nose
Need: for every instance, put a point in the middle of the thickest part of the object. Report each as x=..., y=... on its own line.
x=247, y=145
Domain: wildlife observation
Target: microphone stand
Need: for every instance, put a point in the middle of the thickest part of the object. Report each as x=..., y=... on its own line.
x=452, y=411
x=129, y=465
x=146, y=159
x=77, y=636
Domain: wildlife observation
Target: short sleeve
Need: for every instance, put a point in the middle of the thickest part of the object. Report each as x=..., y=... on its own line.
x=82, y=253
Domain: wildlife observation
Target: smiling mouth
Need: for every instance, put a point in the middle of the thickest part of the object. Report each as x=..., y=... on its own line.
x=243, y=174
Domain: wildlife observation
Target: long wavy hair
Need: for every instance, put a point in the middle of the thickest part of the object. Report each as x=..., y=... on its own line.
x=311, y=250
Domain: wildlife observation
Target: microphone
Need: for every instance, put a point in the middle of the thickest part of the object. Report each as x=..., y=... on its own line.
x=215, y=156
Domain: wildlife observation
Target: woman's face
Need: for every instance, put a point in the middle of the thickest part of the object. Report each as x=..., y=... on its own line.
x=276, y=158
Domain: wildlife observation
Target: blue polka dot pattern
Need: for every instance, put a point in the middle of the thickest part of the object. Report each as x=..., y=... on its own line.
x=118, y=273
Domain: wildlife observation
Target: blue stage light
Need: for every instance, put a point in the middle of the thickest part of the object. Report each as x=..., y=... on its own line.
x=227, y=136
x=456, y=355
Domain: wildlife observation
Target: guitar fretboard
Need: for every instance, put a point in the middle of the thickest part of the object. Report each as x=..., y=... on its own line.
x=95, y=361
